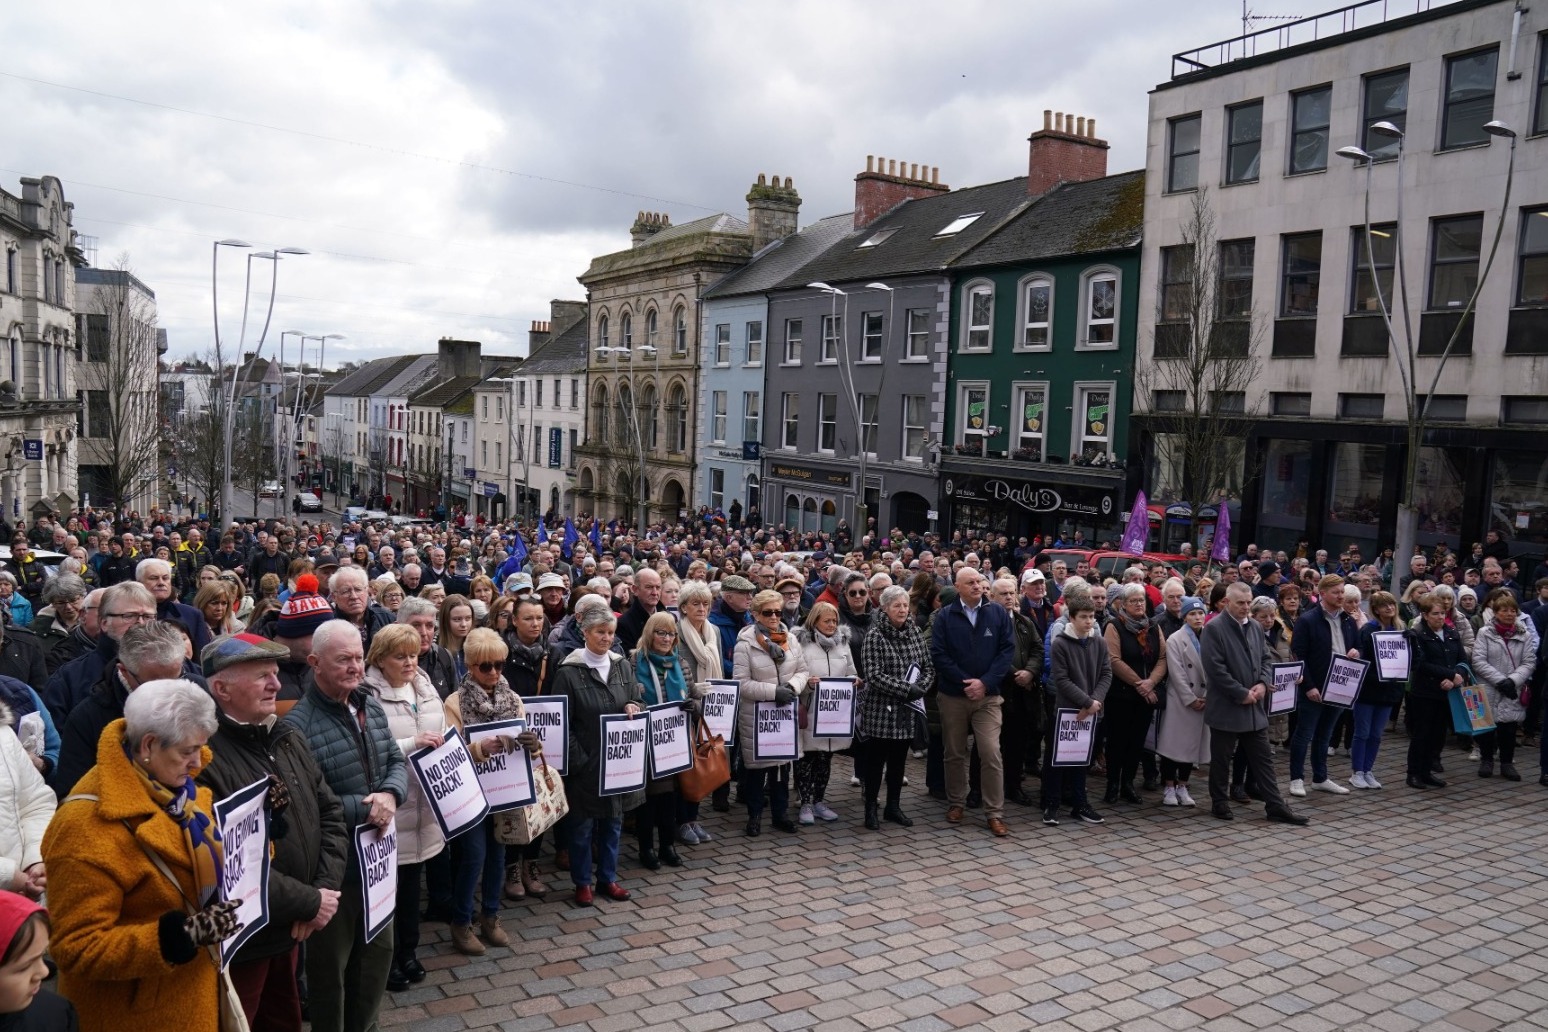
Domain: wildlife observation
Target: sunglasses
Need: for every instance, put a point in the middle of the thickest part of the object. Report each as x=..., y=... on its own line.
x=857, y=594
x=490, y=668
x=768, y=612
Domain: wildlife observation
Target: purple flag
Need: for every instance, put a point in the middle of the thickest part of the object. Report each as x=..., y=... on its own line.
x=1220, y=548
x=1138, y=530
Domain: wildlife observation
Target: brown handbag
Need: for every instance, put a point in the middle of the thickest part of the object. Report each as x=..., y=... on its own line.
x=711, y=767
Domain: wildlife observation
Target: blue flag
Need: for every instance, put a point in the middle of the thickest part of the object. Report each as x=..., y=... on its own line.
x=596, y=536
x=513, y=562
x=571, y=535
x=542, y=533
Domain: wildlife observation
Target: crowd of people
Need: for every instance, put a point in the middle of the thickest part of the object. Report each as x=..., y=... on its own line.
x=147, y=676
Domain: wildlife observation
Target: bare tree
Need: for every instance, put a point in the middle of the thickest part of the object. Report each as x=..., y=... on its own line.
x=119, y=378
x=1201, y=388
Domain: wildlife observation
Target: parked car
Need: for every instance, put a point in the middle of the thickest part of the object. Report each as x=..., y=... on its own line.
x=1112, y=564
x=50, y=560
x=270, y=489
x=310, y=502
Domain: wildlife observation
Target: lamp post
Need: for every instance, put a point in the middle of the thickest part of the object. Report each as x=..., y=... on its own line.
x=219, y=354
x=862, y=511
x=236, y=366
x=302, y=408
x=1418, y=406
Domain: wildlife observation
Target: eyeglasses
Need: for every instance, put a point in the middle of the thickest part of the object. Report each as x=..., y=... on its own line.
x=665, y=634
x=857, y=594
x=490, y=668
x=134, y=617
x=768, y=612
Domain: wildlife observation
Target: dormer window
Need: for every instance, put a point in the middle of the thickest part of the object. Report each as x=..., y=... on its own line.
x=960, y=223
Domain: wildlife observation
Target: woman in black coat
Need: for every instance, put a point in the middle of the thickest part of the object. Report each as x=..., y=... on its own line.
x=1437, y=654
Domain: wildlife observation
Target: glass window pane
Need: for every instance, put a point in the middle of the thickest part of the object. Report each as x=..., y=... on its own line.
x=1185, y=135
x=1286, y=483
x=1312, y=109
x=1386, y=100
x=1246, y=123
x=1469, y=98
x=1185, y=172
x=1534, y=280
x=1354, y=495
x=1518, y=508
x=1438, y=495
x=1311, y=151
x=1303, y=271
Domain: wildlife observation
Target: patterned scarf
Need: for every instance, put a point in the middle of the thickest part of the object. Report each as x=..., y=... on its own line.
x=666, y=677
x=1139, y=628
x=481, y=705
x=200, y=834
x=773, y=643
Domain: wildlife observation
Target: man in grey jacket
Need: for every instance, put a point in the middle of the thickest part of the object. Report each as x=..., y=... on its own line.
x=1237, y=672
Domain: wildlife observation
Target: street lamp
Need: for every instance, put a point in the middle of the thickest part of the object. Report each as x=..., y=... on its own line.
x=1417, y=405
x=219, y=354
x=311, y=397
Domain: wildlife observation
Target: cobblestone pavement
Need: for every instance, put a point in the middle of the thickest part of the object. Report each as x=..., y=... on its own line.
x=1394, y=910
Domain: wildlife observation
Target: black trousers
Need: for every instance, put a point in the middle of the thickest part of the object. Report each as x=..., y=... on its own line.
x=1505, y=736
x=1128, y=720
x=1260, y=764
x=770, y=783
x=878, y=756
x=1428, y=721
x=405, y=918
x=1019, y=745
x=656, y=819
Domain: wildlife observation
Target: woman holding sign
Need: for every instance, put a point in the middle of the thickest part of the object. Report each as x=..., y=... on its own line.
x=1437, y=654
x=826, y=644
x=1504, y=658
x=900, y=672
x=660, y=674
x=1378, y=695
x=415, y=718
x=485, y=696
x=598, y=683
x=773, y=674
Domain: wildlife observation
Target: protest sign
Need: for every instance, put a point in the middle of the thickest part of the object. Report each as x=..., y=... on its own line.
x=451, y=785
x=671, y=739
x=244, y=832
x=1073, y=738
x=774, y=734
x=1285, y=677
x=623, y=753
x=376, y=849
x=548, y=716
x=718, y=709
x=1392, y=657
x=1343, y=682
x=835, y=709
x=506, y=778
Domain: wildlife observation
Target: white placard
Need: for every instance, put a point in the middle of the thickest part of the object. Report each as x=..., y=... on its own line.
x=377, y=852
x=1073, y=738
x=774, y=731
x=1392, y=657
x=548, y=717
x=623, y=753
x=244, y=833
x=718, y=708
x=451, y=785
x=834, y=709
x=671, y=739
x=1285, y=677
x=1343, y=683
x=506, y=778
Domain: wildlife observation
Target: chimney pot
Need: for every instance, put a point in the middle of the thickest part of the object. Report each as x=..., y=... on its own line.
x=1080, y=126
x=913, y=170
x=1091, y=128
x=935, y=173
x=761, y=180
x=789, y=185
x=1047, y=119
x=1058, y=121
x=870, y=162
x=892, y=166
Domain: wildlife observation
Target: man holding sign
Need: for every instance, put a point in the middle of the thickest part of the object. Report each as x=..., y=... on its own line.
x=310, y=841
x=1320, y=635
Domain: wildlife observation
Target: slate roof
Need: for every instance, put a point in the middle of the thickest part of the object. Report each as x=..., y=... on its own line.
x=437, y=395
x=915, y=245
x=783, y=258
x=420, y=370
x=566, y=353
x=1073, y=218
x=721, y=223
x=364, y=381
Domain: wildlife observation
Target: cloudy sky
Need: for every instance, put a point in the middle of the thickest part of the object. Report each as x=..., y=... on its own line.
x=452, y=166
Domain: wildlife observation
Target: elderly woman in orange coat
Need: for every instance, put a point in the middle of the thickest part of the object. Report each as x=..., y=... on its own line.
x=134, y=861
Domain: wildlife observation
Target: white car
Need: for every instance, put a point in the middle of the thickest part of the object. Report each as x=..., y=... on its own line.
x=271, y=489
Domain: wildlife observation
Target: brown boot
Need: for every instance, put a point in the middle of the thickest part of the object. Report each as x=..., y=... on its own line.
x=529, y=876
x=515, y=888
x=493, y=934
x=465, y=942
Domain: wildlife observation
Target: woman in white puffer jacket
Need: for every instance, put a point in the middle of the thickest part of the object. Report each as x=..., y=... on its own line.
x=26, y=807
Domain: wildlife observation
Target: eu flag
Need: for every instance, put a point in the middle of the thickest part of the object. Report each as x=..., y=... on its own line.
x=571, y=535
x=596, y=536
x=542, y=537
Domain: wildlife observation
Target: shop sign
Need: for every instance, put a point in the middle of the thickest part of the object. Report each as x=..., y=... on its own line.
x=1074, y=501
x=810, y=475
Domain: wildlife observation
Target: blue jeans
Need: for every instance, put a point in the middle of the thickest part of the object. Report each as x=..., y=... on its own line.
x=1369, y=723
x=607, y=830
x=481, y=865
x=1313, y=726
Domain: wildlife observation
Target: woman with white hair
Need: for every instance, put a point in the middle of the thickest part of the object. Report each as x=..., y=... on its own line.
x=136, y=860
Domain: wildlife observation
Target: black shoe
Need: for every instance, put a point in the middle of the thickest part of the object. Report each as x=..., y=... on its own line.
x=784, y=824
x=1287, y=817
x=720, y=805
x=397, y=981
x=1128, y=795
x=1543, y=780
x=1223, y=811
x=1433, y=781
x=670, y=856
x=437, y=915
x=1086, y=815
x=1508, y=772
x=1111, y=795
x=754, y=827
x=975, y=800
x=414, y=970
x=895, y=814
x=649, y=860
x=1150, y=784
x=1253, y=793
x=1414, y=782
x=1051, y=816
x=1437, y=767
x=1020, y=798
x=1239, y=794
x=1486, y=769
x=872, y=820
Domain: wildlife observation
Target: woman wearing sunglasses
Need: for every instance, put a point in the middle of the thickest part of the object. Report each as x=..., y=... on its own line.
x=485, y=696
x=771, y=666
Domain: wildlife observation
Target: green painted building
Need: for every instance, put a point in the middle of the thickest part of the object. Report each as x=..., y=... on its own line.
x=1040, y=367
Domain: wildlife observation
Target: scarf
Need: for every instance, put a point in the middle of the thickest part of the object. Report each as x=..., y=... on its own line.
x=1193, y=635
x=1139, y=628
x=480, y=705
x=704, y=646
x=200, y=835
x=664, y=672
x=825, y=641
x=773, y=643
x=1506, y=632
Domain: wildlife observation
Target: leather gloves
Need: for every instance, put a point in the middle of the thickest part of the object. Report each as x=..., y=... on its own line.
x=784, y=695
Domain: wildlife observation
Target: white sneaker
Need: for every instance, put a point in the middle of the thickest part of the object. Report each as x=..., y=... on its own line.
x=824, y=812
x=854, y=782
x=806, y=817
x=1297, y=787
x=905, y=779
x=686, y=836
x=704, y=836
x=1183, y=798
x=1357, y=780
x=1474, y=755
x=1169, y=797
x=1370, y=780
x=1332, y=750
x=1329, y=786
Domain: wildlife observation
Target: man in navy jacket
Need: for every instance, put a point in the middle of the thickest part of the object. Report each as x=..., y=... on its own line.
x=973, y=647
x=1320, y=633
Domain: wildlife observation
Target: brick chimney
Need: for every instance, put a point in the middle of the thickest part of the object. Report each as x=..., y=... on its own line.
x=538, y=334
x=772, y=210
x=564, y=314
x=1065, y=150
x=647, y=224
x=457, y=357
x=886, y=183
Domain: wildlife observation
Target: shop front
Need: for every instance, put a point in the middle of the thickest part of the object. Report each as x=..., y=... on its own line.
x=1048, y=503
x=808, y=496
